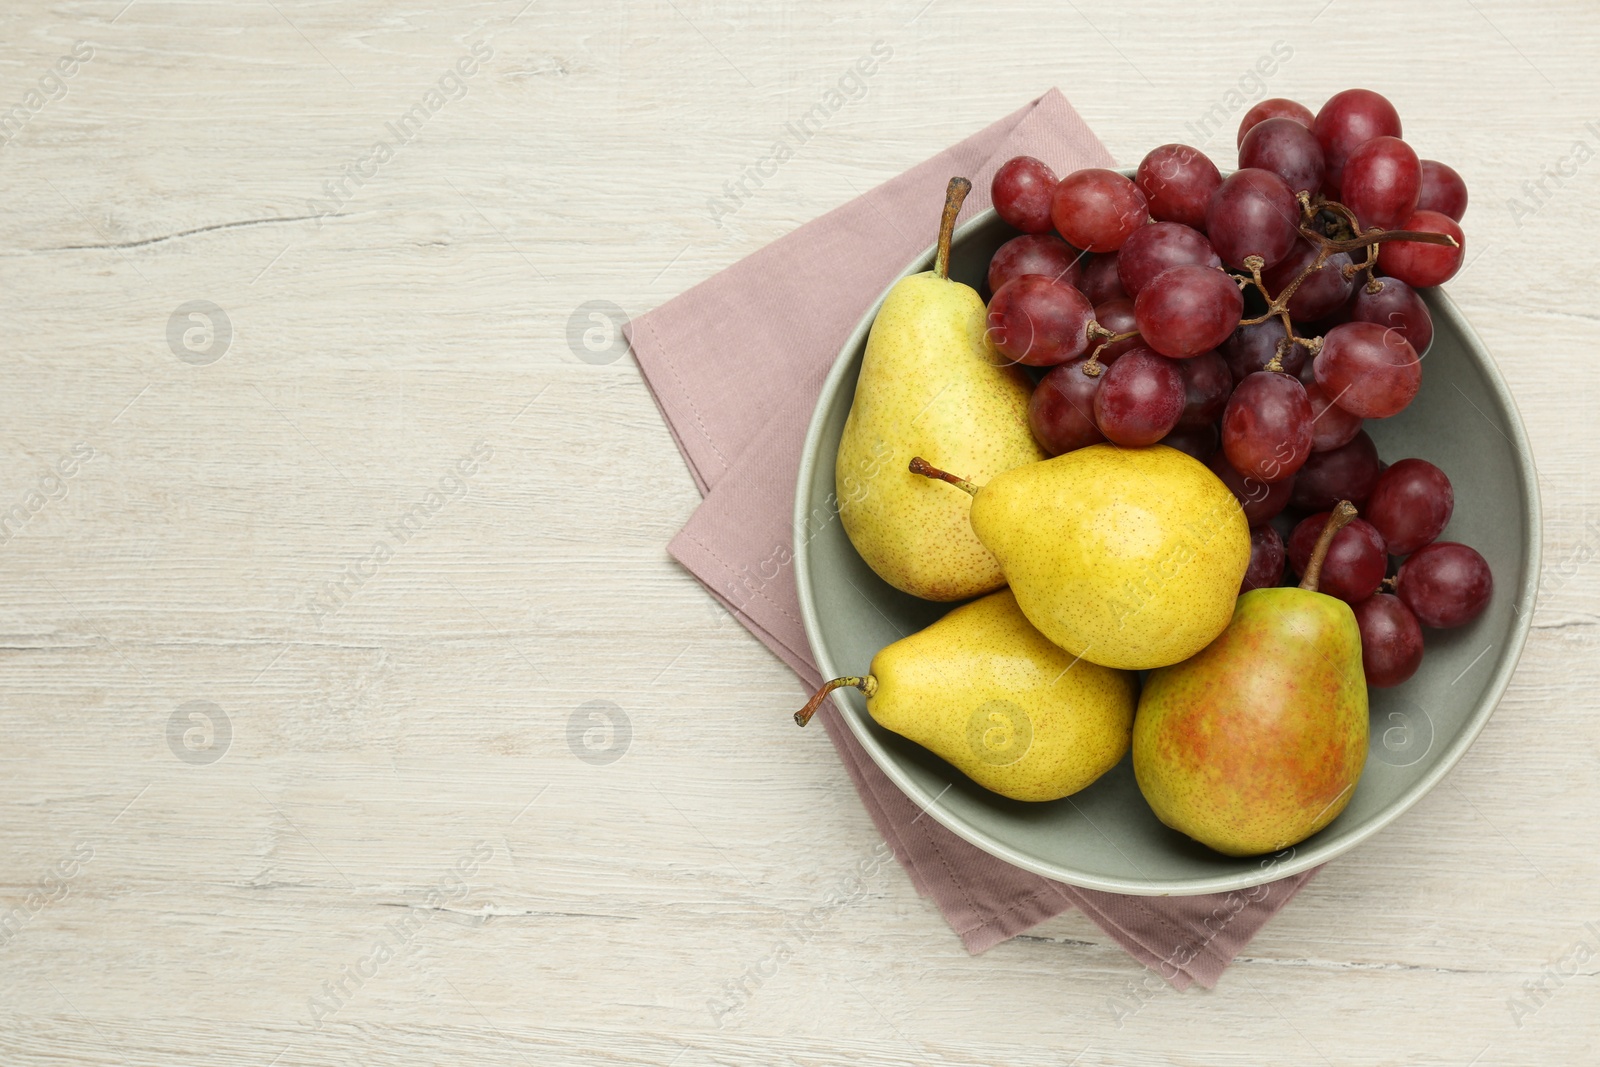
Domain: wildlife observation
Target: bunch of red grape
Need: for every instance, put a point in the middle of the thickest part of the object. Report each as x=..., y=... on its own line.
x=1254, y=322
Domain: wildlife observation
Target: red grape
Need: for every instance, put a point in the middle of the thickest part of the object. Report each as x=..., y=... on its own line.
x=1391, y=640
x=1442, y=190
x=1288, y=149
x=1022, y=191
x=1369, y=370
x=1419, y=264
x=1252, y=213
x=1344, y=473
x=1188, y=309
x=1308, y=376
x=1251, y=348
x=1266, y=427
x=1261, y=501
x=1274, y=108
x=1177, y=182
x=1395, y=304
x=1356, y=559
x=1331, y=425
x=1381, y=181
x=1337, y=317
x=1035, y=254
x=1117, y=316
x=1140, y=399
x=1207, y=382
x=1096, y=209
x=1039, y=321
x=1061, y=410
x=1154, y=248
x=1325, y=289
x=1345, y=121
x=1411, y=503
x=1197, y=441
x=1445, y=584
x=1100, y=280
x=1266, y=560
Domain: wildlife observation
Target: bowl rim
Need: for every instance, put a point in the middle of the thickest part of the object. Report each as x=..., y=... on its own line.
x=1300, y=859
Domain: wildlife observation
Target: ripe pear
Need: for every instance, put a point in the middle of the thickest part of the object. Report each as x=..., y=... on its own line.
x=1128, y=557
x=1258, y=742
x=985, y=691
x=931, y=384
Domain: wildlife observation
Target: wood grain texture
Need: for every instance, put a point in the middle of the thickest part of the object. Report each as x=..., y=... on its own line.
x=400, y=816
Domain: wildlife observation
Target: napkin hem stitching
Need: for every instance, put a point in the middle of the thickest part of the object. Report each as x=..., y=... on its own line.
x=688, y=397
x=995, y=917
x=729, y=568
x=966, y=894
x=1204, y=947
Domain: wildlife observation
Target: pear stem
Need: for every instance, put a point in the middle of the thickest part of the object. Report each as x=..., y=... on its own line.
x=867, y=685
x=1337, y=520
x=928, y=470
x=954, y=194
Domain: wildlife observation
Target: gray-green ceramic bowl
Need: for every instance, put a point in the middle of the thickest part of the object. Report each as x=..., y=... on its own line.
x=1463, y=420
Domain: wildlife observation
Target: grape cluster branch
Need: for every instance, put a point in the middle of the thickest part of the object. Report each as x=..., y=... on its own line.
x=1343, y=221
x=1331, y=228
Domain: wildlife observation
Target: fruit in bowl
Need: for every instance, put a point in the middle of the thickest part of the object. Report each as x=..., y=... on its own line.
x=1282, y=369
x=1258, y=742
x=985, y=690
x=929, y=384
x=1125, y=557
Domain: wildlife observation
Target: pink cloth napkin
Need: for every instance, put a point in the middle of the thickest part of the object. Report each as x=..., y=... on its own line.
x=736, y=365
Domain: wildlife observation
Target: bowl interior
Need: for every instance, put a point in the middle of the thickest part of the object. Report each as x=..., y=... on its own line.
x=1106, y=837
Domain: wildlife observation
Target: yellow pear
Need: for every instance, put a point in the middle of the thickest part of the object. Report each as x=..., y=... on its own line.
x=932, y=385
x=985, y=691
x=1128, y=557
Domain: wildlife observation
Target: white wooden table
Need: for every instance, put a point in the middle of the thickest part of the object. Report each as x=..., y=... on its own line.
x=219, y=540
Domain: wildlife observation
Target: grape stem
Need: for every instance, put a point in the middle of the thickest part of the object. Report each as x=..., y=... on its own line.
x=1343, y=221
x=1092, y=366
x=1278, y=306
x=1370, y=238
